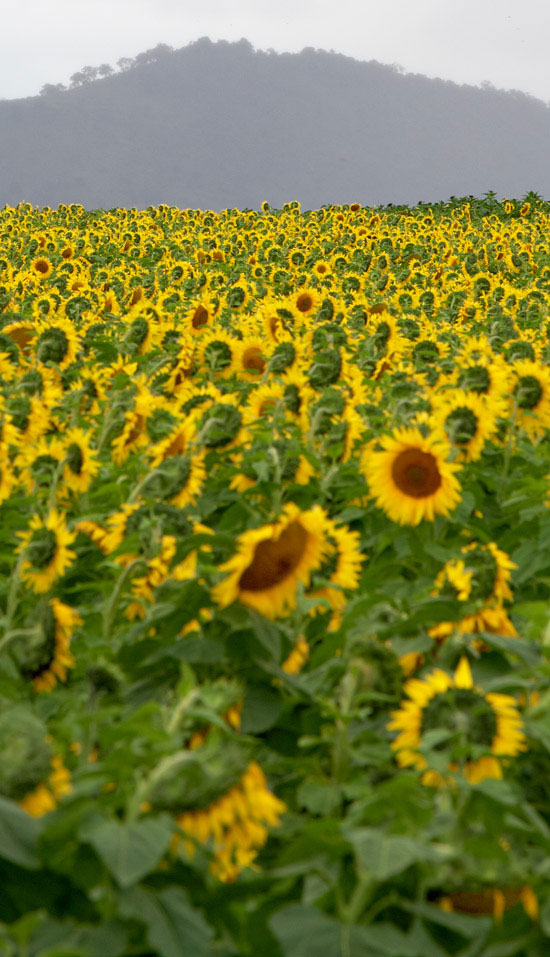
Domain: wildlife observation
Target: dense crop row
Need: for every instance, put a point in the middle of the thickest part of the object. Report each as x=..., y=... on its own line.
x=275, y=581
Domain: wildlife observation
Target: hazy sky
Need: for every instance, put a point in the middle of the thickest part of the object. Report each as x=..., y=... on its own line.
x=503, y=41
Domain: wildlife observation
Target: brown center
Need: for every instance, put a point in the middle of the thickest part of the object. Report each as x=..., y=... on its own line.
x=200, y=317
x=304, y=302
x=41, y=265
x=253, y=359
x=415, y=473
x=275, y=559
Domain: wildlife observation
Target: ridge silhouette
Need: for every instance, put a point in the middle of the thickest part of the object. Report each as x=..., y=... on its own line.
x=217, y=125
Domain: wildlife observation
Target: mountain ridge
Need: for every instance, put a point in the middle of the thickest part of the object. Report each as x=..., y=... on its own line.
x=216, y=125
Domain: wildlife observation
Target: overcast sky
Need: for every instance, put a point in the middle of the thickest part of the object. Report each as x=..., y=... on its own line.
x=503, y=41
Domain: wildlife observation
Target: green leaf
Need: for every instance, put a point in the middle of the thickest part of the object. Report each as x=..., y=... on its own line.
x=307, y=932
x=464, y=924
x=261, y=708
x=18, y=835
x=528, y=652
x=129, y=850
x=174, y=928
x=383, y=855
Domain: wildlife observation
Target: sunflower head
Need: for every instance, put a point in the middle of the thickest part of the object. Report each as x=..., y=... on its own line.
x=475, y=729
x=411, y=478
x=46, y=554
x=26, y=754
x=270, y=561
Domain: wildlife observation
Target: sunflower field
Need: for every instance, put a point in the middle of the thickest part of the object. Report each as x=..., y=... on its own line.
x=275, y=581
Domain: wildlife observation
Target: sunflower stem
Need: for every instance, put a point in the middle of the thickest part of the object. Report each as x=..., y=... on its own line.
x=12, y=594
x=55, y=482
x=165, y=766
x=9, y=636
x=112, y=604
x=180, y=708
x=359, y=898
x=510, y=442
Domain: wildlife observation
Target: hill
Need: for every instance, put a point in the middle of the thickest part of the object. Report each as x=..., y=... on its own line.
x=217, y=125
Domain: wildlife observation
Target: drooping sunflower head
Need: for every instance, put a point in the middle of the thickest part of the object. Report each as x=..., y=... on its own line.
x=44, y=657
x=45, y=551
x=411, y=478
x=81, y=464
x=490, y=569
x=26, y=754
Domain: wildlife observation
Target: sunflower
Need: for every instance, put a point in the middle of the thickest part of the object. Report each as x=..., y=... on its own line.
x=531, y=396
x=41, y=268
x=262, y=401
x=37, y=463
x=177, y=442
x=481, y=727
x=297, y=658
x=237, y=824
x=200, y=316
x=491, y=569
x=341, y=566
x=92, y=387
x=305, y=301
x=488, y=378
x=7, y=478
x=251, y=358
x=47, y=660
x=45, y=551
x=56, y=341
x=21, y=334
x=133, y=434
x=411, y=478
x=271, y=561
x=30, y=416
x=184, y=477
x=220, y=424
x=81, y=465
x=465, y=421
x=45, y=796
x=491, y=901
x=217, y=353
x=276, y=320
x=322, y=269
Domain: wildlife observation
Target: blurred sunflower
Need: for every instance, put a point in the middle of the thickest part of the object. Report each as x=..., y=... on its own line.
x=531, y=396
x=465, y=421
x=271, y=561
x=46, y=660
x=41, y=268
x=56, y=341
x=481, y=728
x=217, y=353
x=45, y=551
x=81, y=465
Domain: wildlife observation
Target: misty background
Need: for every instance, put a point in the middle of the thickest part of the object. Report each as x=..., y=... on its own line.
x=216, y=125
x=117, y=103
